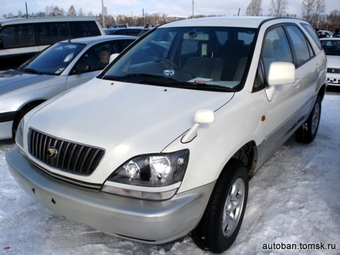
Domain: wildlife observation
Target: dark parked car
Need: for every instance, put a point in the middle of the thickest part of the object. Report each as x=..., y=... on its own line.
x=135, y=31
x=20, y=39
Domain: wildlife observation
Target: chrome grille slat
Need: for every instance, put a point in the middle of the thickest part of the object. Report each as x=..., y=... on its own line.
x=86, y=154
x=92, y=159
x=71, y=157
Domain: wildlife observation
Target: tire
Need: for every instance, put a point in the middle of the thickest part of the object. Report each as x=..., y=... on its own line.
x=307, y=131
x=223, y=216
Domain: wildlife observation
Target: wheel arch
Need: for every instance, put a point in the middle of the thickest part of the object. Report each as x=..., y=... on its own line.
x=322, y=91
x=248, y=155
x=22, y=111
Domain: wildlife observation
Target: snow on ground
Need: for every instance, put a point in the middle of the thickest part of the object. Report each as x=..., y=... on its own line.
x=293, y=208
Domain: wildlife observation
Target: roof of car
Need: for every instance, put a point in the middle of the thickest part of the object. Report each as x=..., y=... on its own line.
x=330, y=39
x=44, y=19
x=100, y=38
x=239, y=21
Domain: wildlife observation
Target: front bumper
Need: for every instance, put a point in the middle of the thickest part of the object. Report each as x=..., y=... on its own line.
x=153, y=222
x=333, y=79
x=6, y=130
x=6, y=123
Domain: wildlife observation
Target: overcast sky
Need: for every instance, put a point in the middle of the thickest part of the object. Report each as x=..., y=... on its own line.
x=168, y=7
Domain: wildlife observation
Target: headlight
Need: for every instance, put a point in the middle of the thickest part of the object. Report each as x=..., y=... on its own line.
x=153, y=177
x=19, y=134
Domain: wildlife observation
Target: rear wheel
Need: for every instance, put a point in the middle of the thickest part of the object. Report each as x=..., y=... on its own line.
x=223, y=216
x=307, y=132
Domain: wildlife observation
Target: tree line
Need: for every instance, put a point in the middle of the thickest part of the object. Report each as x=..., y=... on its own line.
x=313, y=11
x=109, y=20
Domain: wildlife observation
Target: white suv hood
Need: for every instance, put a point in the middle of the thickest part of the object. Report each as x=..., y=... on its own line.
x=124, y=119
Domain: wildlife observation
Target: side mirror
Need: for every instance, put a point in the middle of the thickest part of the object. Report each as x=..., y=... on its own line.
x=202, y=116
x=280, y=73
x=113, y=56
x=82, y=68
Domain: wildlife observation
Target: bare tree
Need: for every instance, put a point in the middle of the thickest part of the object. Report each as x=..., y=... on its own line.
x=254, y=8
x=334, y=19
x=54, y=11
x=312, y=11
x=71, y=11
x=80, y=12
x=278, y=8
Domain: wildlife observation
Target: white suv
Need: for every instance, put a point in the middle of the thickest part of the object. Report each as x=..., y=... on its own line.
x=162, y=143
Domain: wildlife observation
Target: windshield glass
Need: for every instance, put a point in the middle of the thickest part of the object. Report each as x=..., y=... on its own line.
x=331, y=47
x=53, y=60
x=211, y=58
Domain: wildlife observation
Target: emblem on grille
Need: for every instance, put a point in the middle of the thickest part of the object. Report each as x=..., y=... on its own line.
x=52, y=152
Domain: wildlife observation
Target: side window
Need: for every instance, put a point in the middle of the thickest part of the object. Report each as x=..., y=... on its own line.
x=64, y=31
x=122, y=45
x=312, y=33
x=275, y=48
x=97, y=57
x=301, y=46
x=17, y=36
x=47, y=33
x=83, y=29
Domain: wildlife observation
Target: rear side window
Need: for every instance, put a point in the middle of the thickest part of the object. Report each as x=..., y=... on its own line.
x=16, y=36
x=123, y=44
x=301, y=46
x=64, y=31
x=83, y=29
x=312, y=33
x=47, y=33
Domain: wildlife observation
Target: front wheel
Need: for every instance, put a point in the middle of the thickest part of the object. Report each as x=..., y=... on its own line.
x=307, y=132
x=223, y=216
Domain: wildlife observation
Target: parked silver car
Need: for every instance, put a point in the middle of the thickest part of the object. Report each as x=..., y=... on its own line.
x=332, y=50
x=62, y=66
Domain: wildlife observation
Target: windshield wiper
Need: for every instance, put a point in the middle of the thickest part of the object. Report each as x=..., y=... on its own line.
x=31, y=70
x=207, y=87
x=143, y=78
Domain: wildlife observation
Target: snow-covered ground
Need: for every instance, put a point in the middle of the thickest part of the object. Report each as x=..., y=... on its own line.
x=293, y=208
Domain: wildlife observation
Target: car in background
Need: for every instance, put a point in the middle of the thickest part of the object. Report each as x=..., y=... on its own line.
x=145, y=30
x=332, y=50
x=135, y=31
x=20, y=39
x=63, y=66
x=118, y=26
x=163, y=142
x=324, y=34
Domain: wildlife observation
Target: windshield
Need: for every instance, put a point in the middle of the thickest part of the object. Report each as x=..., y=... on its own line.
x=53, y=60
x=210, y=58
x=331, y=47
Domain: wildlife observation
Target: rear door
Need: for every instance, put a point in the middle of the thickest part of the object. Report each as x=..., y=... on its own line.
x=308, y=67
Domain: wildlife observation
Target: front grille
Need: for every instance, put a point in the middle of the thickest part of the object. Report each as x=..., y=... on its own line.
x=333, y=70
x=65, y=155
